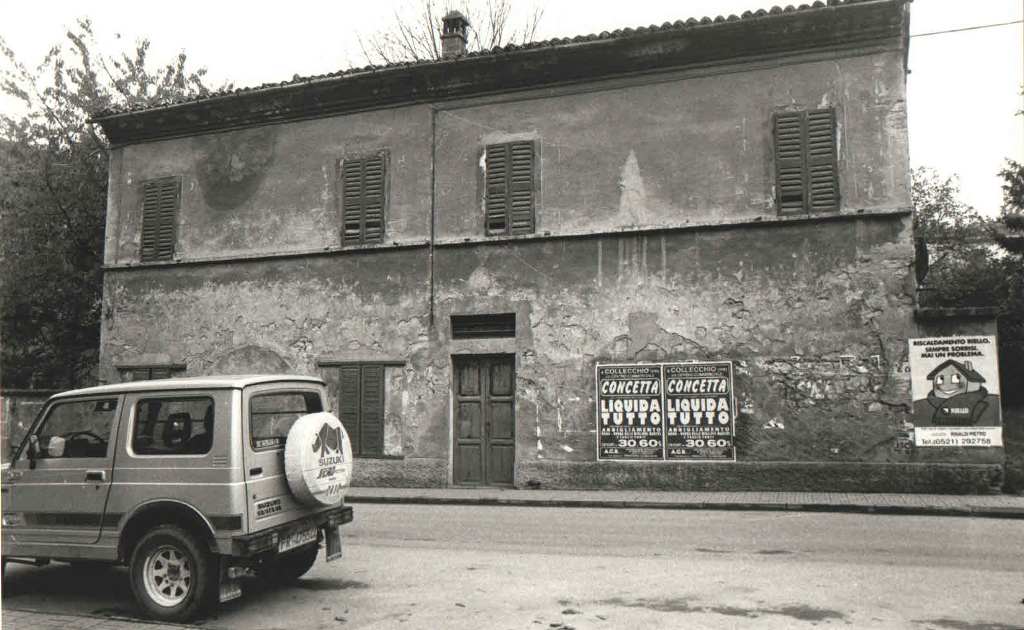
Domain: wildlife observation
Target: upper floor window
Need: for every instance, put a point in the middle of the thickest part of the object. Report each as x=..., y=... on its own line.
x=806, y=178
x=363, y=199
x=510, y=194
x=161, y=199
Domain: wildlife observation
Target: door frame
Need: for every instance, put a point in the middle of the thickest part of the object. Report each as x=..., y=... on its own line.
x=452, y=399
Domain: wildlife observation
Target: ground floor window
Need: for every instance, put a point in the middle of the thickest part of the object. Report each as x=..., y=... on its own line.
x=361, y=406
x=149, y=372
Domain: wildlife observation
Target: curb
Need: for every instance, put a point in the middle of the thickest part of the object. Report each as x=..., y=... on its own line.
x=904, y=510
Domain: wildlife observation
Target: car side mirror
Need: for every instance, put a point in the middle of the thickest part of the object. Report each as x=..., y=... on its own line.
x=33, y=450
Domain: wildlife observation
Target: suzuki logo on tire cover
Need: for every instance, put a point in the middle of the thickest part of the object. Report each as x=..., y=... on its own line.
x=318, y=459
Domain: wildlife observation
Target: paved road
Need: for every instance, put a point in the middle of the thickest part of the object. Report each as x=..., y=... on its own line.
x=507, y=567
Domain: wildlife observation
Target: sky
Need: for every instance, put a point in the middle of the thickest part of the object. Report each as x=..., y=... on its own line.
x=963, y=91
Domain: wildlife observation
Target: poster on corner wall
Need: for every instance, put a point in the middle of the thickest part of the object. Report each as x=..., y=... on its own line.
x=954, y=383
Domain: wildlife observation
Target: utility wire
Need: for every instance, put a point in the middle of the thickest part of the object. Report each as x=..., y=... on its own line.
x=967, y=28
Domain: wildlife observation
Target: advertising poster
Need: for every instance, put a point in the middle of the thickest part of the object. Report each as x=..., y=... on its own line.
x=629, y=412
x=955, y=386
x=699, y=411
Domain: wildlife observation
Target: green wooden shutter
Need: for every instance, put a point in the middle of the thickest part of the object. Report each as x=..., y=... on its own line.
x=822, y=183
x=372, y=410
x=520, y=188
x=497, y=167
x=789, y=161
x=352, y=202
x=373, y=199
x=362, y=200
x=348, y=403
x=160, y=201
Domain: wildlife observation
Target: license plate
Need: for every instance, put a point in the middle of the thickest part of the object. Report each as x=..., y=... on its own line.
x=296, y=538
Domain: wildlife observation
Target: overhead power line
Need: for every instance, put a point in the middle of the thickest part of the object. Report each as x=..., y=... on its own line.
x=967, y=28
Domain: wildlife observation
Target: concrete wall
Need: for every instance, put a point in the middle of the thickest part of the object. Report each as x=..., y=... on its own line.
x=687, y=151
x=657, y=240
x=272, y=189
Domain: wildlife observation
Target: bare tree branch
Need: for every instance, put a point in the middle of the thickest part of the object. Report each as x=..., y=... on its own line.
x=415, y=32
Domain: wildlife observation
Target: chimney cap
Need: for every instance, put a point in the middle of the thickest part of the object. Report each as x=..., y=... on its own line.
x=455, y=15
x=453, y=35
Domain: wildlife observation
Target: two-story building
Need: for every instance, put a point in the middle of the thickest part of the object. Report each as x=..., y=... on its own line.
x=502, y=260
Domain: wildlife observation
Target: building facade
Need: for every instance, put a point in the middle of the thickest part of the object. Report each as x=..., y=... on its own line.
x=458, y=246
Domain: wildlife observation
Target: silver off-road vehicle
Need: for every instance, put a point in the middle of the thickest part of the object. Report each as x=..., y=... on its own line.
x=191, y=482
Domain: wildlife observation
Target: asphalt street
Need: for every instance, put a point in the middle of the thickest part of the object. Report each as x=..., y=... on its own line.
x=430, y=566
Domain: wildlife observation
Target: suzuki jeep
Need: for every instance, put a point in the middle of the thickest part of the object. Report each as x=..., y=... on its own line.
x=192, y=483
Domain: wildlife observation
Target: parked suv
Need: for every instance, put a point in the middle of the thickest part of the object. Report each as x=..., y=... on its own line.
x=191, y=482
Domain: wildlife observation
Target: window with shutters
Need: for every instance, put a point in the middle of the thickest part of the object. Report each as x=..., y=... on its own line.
x=363, y=199
x=510, y=188
x=160, y=201
x=806, y=178
x=361, y=406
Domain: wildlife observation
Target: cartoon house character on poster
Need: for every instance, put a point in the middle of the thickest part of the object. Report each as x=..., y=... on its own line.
x=955, y=385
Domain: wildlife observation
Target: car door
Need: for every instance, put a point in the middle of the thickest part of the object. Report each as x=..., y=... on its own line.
x=59, y=495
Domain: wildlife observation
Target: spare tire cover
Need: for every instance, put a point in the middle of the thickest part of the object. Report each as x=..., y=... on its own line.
x=318, y=459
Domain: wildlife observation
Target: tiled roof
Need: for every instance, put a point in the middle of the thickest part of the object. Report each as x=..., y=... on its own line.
x=678, y=25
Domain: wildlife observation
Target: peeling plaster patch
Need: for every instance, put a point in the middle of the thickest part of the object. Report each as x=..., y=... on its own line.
x=632, y=194
x=233, y=165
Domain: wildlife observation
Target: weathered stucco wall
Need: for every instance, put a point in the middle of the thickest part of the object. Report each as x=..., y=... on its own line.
x=272, y=189
x=814, y=311
x=816, y=315
x=687, y=150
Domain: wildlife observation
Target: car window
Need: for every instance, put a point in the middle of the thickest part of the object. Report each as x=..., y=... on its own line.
x=272, y=415
x=173, y=426
x=77, y=429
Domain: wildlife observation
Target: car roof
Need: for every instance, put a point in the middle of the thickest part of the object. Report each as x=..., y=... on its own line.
x=229, y=381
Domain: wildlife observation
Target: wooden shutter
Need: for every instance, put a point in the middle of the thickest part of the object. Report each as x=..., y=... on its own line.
x=363, y=199
x=510, y=186
x=822, y=183
x=521, y=187
x=789, y=161
x=805, y=161
x=372, y=422
x=348, y=403
x=497, y=164
x=160, y=201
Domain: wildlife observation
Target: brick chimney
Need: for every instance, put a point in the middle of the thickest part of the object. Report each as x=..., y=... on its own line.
x=453, y=35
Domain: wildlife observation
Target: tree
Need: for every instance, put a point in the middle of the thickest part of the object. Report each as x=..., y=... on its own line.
x=961, y=269
x=415, y=34
x=53, y=189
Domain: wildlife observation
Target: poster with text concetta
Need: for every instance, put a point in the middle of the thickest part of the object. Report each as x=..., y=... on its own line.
x=629, y=412
x=698, y=415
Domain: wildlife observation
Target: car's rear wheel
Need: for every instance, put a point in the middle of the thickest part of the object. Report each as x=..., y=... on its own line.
x=172, y=576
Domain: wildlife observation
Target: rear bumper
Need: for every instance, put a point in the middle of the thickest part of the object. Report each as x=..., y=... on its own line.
x=266, y=540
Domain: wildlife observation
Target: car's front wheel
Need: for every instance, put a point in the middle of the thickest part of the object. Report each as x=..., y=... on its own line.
x=172, y=575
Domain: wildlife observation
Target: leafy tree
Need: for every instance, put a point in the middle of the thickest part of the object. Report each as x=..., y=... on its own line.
x=960, y=264
x=415, y=33
x=53, y=189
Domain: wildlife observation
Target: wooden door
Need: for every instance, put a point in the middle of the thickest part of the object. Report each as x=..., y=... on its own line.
x=485, y=421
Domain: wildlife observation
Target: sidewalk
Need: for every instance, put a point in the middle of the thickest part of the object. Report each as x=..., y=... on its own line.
x=988, y=506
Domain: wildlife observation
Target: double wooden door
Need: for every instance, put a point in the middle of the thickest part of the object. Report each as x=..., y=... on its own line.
x=485, y=421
